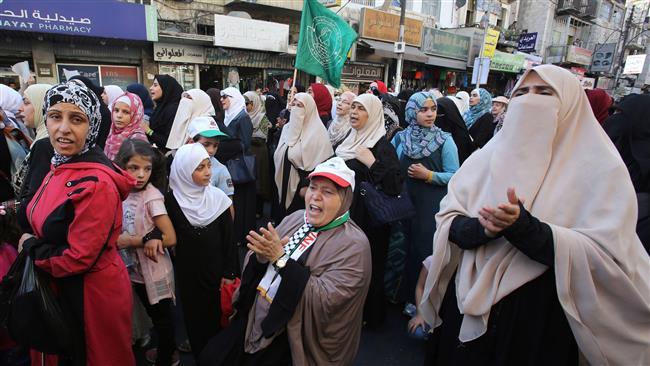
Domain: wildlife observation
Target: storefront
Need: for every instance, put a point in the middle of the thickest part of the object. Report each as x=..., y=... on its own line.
x=505, y=69
x=180, y=61
x=448, y=54
x=56, y=35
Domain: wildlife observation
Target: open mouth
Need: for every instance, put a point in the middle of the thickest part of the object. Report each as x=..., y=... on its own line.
x=63, y=141
x=315, y=209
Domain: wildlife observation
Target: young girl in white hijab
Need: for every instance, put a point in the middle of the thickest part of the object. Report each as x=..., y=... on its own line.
x=205, y=255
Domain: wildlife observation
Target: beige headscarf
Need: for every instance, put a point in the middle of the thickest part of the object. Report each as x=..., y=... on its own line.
x=553, y=151
x=36, y=94
x=199, y=104
x=370, y=133
x=306, y=140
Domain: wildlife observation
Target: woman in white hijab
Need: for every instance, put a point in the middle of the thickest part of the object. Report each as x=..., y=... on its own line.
x=205, y=256
x=304, y=143
x=340, y=127
x=463, y=97
x=194, y=103
x=111, y=93
x=538, y=280
x=374, y=160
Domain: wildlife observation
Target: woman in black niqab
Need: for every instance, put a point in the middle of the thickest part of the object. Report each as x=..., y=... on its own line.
x=450, y=120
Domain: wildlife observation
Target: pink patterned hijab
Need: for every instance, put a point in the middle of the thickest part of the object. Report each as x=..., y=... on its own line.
x=132, y=130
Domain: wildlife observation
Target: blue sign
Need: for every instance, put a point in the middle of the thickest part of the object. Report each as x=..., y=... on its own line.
x=107, y=19
x=527, y=42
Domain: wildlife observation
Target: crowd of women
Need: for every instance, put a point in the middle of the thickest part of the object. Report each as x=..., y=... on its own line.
x=523, y=214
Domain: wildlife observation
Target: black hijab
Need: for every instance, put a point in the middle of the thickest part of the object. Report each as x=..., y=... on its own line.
x=162, y=119
x=629, y=129
x=403, y=98
x=450, y=120
x=105, y=126
x=273, y=105
x=142, y=92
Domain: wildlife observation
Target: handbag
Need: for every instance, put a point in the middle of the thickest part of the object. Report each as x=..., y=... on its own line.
x=383, y=208
x=242, y=168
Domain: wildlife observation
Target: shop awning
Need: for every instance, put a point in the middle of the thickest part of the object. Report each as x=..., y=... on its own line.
x=447, y=63
x=386, y=50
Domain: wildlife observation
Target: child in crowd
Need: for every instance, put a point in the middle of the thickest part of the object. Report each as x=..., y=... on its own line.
x=204, y=130
x=148, y=232
x=418, y=328
x=126, y=116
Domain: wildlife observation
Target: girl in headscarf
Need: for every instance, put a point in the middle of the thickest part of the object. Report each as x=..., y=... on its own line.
x=167, y=93
x=111, y=93
x=255, y=110
x=215, y=98
x=629, y=129
x=429, y=158
x=340, y=127
x=449, y=120
x=304, y=143
x=143, y=93
x=323, y=100
x=10, y=102
x=373, y=159
x=205, y=257
x=237, y=124
x=600, y=103
x=463, y=97
x=519, y=281
x=32, y=109
x=77, y=248
x=478, y=118
x=105, y=127
x=127, y=123
x=194, y=103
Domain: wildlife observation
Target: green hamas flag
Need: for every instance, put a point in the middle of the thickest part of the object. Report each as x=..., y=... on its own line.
x=325, y=40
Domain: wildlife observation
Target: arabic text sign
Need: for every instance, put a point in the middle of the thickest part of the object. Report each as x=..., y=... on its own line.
x=384, y=26
x=76, y=18
x=361, y=71
x=445, y=44
x=527, y=42
x=250, y=34
x=171, y=52
x=507, y=62
x=634, y=64
x=491, y=40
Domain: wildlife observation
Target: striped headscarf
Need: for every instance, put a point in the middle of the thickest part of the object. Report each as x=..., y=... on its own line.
x=477, y=111
x=420, y=142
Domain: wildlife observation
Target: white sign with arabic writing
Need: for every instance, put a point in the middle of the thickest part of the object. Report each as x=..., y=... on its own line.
x=171, y=52
x=250, y=34
x=634, y=64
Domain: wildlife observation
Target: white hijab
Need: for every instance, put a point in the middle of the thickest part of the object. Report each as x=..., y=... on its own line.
x=10, y=101
x=305, y=141
x=201, y=205
x=113, y=92
x=463, y=96
x=340, y=126
x=199, y=105
x=370, y=133
x=257, y=114
x=237, y=104
x=557, y=156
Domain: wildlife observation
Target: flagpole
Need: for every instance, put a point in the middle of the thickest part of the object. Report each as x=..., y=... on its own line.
x=293, y=84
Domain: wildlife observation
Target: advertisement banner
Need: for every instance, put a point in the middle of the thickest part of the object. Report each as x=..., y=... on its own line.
x=384, y=26
x=445, y=44
x=527, y=42
x=491, y=40
x=507, y=62
x=603, y=57
x=250, y=34
x=80, y=18
x=89, y=71
x=121, y=76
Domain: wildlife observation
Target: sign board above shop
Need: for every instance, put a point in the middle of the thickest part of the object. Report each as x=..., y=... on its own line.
x=527, y=42
x=362, y=71
x=172, y=52
x=121, y=76
x=491, y=40
x=578, y=55
x=507, y=62
x=440, y=43
x=634, y=64
x=250, y=34
x=94, y=19
x=384, y=26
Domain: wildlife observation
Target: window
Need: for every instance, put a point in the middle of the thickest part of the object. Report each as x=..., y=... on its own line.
x=204, y=29
x=605, y=10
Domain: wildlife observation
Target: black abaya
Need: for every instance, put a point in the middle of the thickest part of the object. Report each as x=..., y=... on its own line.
x=162, y=119
x=450, y=120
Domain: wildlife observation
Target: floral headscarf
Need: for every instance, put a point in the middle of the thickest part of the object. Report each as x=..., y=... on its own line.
x=133, y=130
x=477, y=111
x=86, y=100
x=420, y=142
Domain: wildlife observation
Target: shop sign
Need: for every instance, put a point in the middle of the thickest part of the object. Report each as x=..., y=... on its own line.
x=330, y=3
x=170, y=52
x=527, y=42
x=603, y=57
x=100, y=74
x=491, y=40
x=578, y=55
x=634, y=64
x=69, y=17
x=439, y=43
x=587, y=83
x=250, y=34
x=507, y=62
x=384, y=26
x=362, y=71
x=239, y=58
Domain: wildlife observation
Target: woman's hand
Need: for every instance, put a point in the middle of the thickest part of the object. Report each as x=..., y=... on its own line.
x=267, y=245
x=364, y=155
x=22, y=241
x=416, y=322
x=152, y=248
x=125, y=241
x=495, y=220
x=418, y=171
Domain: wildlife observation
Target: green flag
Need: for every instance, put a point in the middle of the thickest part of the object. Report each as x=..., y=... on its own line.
x=325, y=40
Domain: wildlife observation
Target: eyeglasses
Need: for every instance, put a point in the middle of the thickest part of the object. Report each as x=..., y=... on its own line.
x=225, y=96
